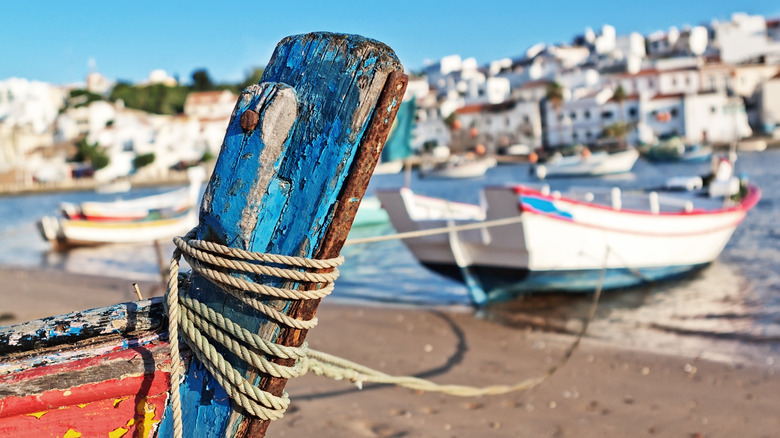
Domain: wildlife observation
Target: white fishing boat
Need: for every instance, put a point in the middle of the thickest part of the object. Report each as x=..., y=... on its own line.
x=163, y=205
x=530, y=240
x=587, y=164
x=79, y=232
x=459, y=168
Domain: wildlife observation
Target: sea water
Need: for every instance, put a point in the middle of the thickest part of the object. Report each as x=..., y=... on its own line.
x=729, y=311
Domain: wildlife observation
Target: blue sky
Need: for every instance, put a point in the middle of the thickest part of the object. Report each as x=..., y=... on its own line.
x=54, y=41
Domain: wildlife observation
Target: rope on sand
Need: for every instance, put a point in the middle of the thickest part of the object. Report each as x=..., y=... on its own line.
x=204, y=330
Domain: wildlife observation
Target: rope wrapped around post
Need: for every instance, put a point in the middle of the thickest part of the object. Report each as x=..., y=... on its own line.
x=201, y=325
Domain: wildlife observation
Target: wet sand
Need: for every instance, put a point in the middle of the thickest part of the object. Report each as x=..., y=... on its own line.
x=604, y=390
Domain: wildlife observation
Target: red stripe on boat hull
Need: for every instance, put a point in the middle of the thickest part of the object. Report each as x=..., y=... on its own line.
x=131, y=406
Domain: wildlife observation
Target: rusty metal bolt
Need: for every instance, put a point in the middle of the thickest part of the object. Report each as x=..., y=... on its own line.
x=249, y=120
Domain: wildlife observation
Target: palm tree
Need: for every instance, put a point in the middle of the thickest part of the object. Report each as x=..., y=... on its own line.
x=554, y=95
x=620, y=97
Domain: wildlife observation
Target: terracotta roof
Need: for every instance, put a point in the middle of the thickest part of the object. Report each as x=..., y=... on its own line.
x=486, y=107
x=536, y=83
x=627, y=98
x=200, y=97
x=669, y=96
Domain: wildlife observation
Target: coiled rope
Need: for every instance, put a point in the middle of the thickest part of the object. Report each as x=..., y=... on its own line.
x=201, y=327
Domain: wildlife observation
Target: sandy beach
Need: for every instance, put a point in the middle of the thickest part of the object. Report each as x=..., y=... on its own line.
x=604, y=390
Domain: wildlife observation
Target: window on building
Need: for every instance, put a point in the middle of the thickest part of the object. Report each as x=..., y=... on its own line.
x=587, y=114
x=574, y=136
x=588, y=134
x=573, y=115
x=673, y=112
x=606, y=115
x=632, y=112
x=714, y=110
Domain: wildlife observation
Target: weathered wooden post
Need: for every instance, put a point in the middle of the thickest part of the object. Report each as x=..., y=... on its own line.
x=297, y=157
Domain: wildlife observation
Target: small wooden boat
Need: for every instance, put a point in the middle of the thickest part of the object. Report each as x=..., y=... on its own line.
x=288, y=181
x=370, y=213
x=587, y=164
x=528, y=240
x=65, y=233
x=459, y=168
x=399, y=145
x=675, y=150
x=163, y=205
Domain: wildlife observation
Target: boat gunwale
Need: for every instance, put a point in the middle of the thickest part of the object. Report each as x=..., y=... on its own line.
x=748, y=202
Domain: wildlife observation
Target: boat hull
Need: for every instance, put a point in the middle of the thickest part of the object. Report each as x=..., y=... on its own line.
x=506, y=283
x=596, y=164
x=69, y=232
x=102, y=372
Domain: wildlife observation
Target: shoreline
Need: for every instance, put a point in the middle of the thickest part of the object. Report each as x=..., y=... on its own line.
x=604, y=389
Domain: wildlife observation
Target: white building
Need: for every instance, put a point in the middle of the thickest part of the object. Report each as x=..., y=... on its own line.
x=210, y=104
x=161, y=77
x=580, y=119
x=744, y=38
x=770, y=105
x=28, y=110
x=32, y=103
x=212, y=109
x=504, y=124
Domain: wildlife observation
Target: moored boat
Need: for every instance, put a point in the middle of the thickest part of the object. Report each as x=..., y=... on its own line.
x=530, y=240
x=674, y=150
x=587, y=164
x=459, y=168
x=162, y=205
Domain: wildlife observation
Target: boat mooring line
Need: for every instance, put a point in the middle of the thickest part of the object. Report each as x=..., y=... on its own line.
x=200, y=325
x=435, y=231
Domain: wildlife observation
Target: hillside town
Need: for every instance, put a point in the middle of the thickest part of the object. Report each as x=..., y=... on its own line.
x=717, y=83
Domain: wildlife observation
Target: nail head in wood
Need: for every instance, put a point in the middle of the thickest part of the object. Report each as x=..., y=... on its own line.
x=249, y=120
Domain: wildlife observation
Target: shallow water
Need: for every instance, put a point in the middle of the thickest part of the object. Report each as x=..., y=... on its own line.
x=727, y=311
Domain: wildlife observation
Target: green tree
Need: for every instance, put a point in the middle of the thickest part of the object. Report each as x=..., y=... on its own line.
x=80, y=97
x=620, y=97
x=99, y=159
x=207, y=156
x=155, y=98
x=143, y=160
x=91, y=153
x=554, y=95
x=617, y=130
x=201, y=81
